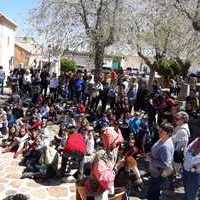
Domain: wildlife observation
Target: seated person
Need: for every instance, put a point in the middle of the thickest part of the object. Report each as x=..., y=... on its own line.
x=74, y=151
x=8, y=142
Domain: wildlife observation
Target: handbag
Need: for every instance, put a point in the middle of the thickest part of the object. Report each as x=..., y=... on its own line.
x=178, y=156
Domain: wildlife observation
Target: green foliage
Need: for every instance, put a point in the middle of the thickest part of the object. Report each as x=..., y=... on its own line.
x=168, y=67
x=68, y=65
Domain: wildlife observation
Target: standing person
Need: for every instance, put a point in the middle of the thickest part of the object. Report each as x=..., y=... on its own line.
x=180, y=138
x=112, y=93
x=2, y=78
x=53, y=86
x=97, y=89
x=27, y=82
x=191, y=173
x=160, y=159
x=132, y=94
x=20, y=74
x=78, y=87
x=44, y=76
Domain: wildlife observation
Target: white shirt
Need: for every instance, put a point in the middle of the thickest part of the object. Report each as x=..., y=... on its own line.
x=181, y=136
x=125, y=83
x=90, y=145
x=27, y=78
x=191, y=162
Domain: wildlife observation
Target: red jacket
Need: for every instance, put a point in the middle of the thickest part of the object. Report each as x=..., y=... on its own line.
x=75, y=143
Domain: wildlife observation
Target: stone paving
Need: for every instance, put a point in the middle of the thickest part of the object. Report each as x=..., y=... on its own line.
x=10, y=183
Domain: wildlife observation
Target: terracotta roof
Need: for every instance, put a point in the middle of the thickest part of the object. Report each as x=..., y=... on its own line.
x=11, y=22
x=23, y=48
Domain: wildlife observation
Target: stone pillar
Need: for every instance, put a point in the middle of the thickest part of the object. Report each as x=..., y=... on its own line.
x=184, y=92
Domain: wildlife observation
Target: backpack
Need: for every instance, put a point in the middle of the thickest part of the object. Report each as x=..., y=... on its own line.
x=135, y=124
x=75, y=143
x=111, y=138
x=102, y=174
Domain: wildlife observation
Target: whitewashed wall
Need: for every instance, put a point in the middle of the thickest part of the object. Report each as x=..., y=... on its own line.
x=7, y=44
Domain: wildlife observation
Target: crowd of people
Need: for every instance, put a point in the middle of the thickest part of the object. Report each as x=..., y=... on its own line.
x=107, y=123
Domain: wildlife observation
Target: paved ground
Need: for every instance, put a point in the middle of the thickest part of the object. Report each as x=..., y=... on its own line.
x=10, y=183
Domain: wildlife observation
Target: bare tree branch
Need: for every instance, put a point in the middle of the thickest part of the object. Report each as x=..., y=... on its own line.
x=84, y=17
x=99, y=15
x=183, y=9
x=110, y=39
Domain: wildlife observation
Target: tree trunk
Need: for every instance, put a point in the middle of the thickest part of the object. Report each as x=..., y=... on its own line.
x=99, y=51
x=151, y=78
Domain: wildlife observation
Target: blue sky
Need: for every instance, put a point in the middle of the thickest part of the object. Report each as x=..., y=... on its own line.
x=17, y=10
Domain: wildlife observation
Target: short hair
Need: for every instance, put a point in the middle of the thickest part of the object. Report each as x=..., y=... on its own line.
x=167, y=127
x=183, y=115
x=16, y=197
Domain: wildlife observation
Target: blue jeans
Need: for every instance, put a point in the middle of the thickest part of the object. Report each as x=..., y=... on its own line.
x=191, y=184
x=155, y=184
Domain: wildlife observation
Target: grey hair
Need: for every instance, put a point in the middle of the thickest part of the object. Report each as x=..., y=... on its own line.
x=183, y=115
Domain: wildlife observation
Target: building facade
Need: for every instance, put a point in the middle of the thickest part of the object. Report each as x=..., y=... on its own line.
x=22, y=56
x=7, y=43
x=28, y=53
x=84, y=60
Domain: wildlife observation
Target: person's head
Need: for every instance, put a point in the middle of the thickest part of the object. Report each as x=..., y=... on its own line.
x=165, y=130
x=181, y=118
x=54, y=75
x=13, y=129
x=131, y=142
x=189, y=107
x=34, y=133
x=16, y=197
x=23, y=130
x=84, y=122
x=71, y=128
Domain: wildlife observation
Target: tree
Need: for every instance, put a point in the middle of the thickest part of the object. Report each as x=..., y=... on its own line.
x=191, y=9
x=169, y=68
x=68, y=65
x=78, y=22
x=158, y=26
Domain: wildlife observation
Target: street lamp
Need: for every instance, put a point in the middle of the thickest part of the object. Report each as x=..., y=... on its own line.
x=49, y=50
